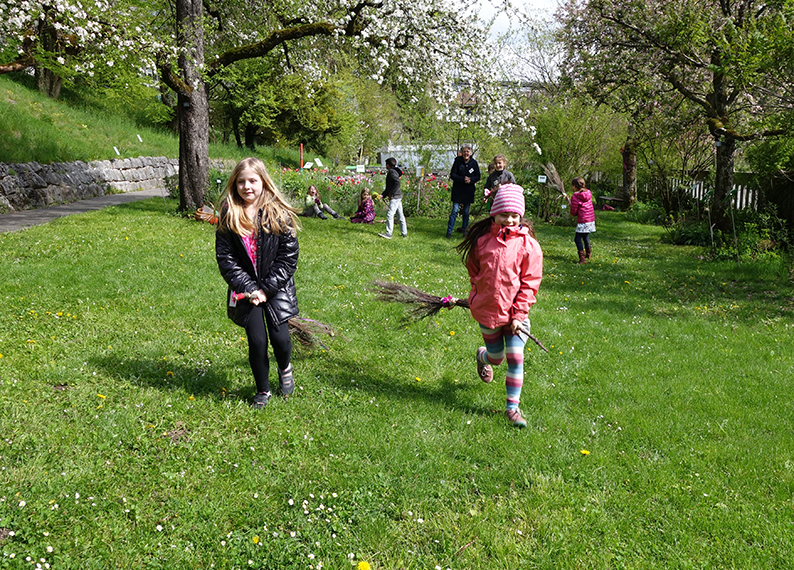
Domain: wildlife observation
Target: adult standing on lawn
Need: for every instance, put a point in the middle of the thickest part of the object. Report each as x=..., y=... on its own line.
x=395, y=197
x=465, y=174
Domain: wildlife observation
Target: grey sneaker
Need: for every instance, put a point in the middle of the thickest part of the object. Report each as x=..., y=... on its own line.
x=385, y=236
x=261, y=400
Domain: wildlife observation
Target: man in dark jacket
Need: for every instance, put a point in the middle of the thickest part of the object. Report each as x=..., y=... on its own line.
x=465, y=174
x=395, y=197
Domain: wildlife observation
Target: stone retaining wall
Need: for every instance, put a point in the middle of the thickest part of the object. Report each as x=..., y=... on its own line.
x=32, y=185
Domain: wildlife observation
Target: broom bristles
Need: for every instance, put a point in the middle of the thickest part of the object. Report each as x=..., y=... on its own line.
x=307, y=331
x=425, y=304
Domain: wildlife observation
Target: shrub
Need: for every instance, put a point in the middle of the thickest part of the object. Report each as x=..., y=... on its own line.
x=213, y=193
x=645, y=213
x=172, y=185
x=293, y=182
x=760, y=236
x=683, y=231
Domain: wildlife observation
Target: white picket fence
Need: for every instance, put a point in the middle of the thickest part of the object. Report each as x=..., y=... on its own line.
x=743, y=197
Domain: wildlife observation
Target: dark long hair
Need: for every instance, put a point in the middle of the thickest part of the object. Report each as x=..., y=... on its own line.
x=479, y=229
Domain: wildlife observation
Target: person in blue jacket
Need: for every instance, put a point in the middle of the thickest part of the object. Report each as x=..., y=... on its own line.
x=465, y=174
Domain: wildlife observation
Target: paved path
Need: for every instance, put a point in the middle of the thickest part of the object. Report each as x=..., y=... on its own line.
x=19, y=220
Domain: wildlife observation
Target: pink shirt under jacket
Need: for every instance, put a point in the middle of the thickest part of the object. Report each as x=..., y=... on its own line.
x=505, y=269
x=582, y=206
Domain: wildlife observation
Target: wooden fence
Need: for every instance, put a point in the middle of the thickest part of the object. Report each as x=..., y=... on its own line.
x=743, y=197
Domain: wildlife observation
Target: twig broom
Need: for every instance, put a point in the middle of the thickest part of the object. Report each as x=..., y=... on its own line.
x=305, y=331
x=424, y=304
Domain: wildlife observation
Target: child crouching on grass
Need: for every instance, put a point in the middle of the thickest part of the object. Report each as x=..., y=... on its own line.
x=505, y=265
x=257, y=252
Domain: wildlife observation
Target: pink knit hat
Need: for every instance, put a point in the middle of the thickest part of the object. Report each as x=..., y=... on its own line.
x=509, y=200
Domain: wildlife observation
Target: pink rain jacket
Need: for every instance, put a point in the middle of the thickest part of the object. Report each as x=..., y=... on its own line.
x=505, y=269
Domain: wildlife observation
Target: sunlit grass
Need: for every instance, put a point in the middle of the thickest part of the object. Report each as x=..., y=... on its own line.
x=128, y=440
x=39, y=129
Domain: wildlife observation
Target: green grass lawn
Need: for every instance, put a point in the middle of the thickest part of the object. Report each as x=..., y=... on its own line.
x=37, y=128
x=659, y=425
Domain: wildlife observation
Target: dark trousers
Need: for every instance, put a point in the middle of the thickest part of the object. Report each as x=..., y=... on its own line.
x=582, y=241
x=258, y=329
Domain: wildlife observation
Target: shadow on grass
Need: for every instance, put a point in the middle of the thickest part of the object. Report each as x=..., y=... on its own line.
x=445, y=391
x=159, y=374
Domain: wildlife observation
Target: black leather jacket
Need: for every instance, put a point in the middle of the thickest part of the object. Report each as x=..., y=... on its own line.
x=277, y=260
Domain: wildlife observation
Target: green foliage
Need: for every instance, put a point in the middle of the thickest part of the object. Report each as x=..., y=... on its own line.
x=646, y=213
x=432, y=199
x=758, y=235
x=259, y=105
x=771, y=157
x=215, y=189
x=681, y=231
x=294, y=182
x=579, y=138
x=128, y=440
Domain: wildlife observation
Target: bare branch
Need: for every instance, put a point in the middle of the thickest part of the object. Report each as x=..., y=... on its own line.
x=275, y=39
x=18, y=65
x=173, y=80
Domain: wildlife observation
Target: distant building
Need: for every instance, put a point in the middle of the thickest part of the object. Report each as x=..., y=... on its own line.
x=435, y=158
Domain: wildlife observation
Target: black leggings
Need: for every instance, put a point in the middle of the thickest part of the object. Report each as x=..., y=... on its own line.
x=582, y=240
x=257, y=333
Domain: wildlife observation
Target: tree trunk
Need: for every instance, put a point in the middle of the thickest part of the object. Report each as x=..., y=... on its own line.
x=48, y=83
x=723, y=183
x=629, y=152
x=192, y=108
x=250, y=136
x=236, y=130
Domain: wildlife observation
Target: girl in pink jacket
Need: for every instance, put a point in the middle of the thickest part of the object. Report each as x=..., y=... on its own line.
x=582, y=208
x=505, y=265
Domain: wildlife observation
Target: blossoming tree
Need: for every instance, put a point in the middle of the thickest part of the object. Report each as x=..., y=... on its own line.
x=727, y=58
x=417, y=43
x=61, y=39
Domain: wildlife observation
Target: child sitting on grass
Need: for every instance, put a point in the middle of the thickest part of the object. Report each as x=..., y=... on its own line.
x=315, y=207
x=366, y=209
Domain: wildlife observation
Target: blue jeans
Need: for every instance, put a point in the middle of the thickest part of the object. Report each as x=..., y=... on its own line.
x=454, y=216
x=396, y=207
x=582, y=241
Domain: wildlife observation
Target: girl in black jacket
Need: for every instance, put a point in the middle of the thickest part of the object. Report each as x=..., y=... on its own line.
x=257, y=252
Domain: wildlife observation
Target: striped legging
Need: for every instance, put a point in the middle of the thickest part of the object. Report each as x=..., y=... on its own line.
x=501, y=342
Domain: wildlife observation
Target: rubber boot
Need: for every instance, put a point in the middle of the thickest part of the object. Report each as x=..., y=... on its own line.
x=323, y=216
x=582, y=258
x=588, y=251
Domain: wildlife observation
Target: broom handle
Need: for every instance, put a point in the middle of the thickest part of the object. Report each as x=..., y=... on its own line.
x=532, y=337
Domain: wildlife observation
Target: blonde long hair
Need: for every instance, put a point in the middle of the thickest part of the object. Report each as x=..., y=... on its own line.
x=278, y=216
